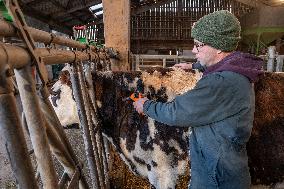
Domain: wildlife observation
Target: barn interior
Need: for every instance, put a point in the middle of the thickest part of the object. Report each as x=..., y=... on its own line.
x=43, y=37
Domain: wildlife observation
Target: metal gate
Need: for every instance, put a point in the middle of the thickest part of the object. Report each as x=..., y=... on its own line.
x=45, y=131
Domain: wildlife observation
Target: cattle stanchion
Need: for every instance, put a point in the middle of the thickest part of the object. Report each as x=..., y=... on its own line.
x=93, y=130
x=70, y=164
x=59, y=147
x=43, y=125
x=97, y=123
x=35, y=123
x=12, y=133
x=74, y=75
x=19, y=57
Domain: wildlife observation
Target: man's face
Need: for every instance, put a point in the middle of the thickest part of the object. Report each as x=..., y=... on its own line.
x=205, y=54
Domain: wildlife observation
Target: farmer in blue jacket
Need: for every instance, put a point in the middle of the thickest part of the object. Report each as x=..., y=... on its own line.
x=219, y=110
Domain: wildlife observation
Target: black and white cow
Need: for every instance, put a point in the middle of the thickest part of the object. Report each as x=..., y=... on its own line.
x=149, y=148
x=160, y=153
x=63, y=101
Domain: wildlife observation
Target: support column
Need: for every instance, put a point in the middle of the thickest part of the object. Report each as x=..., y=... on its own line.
x=117, y=30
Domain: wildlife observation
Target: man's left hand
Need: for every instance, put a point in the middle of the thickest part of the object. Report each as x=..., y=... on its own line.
x=138, y=105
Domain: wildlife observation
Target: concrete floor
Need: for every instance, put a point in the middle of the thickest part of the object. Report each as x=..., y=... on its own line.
x=7, y=180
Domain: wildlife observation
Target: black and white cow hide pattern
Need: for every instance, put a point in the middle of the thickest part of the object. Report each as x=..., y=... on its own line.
x=150, y=149
x=63, y=101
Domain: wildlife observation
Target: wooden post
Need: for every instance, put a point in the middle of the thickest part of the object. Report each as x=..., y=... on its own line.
x=117, y=30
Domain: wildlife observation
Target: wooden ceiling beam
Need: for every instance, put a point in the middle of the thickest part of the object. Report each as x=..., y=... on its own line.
x=33, y=3
x=59, y=26
x=252, y=3
x=273, y=3
x=56, y=3
x=76, y=8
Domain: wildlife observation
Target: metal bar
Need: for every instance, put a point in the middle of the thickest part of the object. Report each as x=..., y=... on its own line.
x=97, y=123
x=12, y=133
x=164, y=63
x=56, y=136
x=19, y=56
x=106, y=160
x=257, y=30
x=53, y=121
x=9, y=30
x=84, y=123
x=279, y=65
x=36, y=127
x=93, y=131
x=56, y=144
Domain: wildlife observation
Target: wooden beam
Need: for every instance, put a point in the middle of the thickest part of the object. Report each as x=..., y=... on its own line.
x=56, y=3
x=59, y=26
x=32, y=3
x=273, y=3
x=252, y=3
x=76, y=8
x=117, y=30
x=147, y=7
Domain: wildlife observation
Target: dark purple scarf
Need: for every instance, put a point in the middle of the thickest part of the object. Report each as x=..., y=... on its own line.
x=238, y=62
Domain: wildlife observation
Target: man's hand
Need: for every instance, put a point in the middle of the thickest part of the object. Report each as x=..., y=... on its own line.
x=184, y=66
x=138, y=105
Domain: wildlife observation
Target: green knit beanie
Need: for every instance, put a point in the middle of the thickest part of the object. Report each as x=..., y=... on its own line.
x=220, y=29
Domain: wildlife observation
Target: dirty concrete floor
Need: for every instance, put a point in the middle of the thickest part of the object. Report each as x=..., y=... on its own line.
x=120, y=176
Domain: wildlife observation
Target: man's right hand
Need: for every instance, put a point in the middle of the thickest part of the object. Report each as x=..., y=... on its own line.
x=184, y=66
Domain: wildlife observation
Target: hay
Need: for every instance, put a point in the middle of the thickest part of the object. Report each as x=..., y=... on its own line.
x=176, y=81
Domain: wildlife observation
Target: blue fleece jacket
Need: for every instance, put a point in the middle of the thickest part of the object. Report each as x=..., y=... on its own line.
x=220, y=112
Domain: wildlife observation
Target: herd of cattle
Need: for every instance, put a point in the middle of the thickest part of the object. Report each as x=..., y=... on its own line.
x=160, y=153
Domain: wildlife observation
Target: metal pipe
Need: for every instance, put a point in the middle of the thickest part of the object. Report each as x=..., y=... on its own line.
x=18, y=57
x=21, y=58
x=97, y=123
x=84, y=123
x=12, y=133
x=36, y=123
x=59, y=144
x=9, y=30
x=91, y=127
x=55, y=127
x=52, y=56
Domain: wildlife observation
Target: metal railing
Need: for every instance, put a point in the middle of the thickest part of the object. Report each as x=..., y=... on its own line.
x=273, y=61
x=42, y=123
x=142, y=61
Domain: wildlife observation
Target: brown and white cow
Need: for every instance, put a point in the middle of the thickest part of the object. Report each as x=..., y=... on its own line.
x=159, y=153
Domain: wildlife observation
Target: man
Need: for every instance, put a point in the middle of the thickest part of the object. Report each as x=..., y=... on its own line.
x=219, y=109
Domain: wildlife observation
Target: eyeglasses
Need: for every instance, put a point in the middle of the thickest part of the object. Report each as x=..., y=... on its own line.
x=198, y=46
